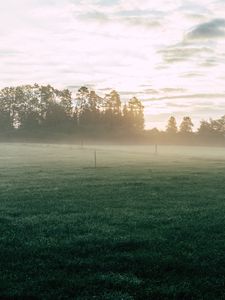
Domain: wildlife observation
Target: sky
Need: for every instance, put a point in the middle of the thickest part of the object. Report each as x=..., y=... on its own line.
x=168, y=53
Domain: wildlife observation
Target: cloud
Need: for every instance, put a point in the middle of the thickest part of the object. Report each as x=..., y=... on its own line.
x=138, y=18
x=93, y=16
x=201, y=46
x=196, y=16
x=210, y=62
x=192, y=74
x=172, y=90
x=210, y=30
x=191, y=96
x=107, y=2
x=146, y=22
x=182, y=52
x=9, y=52
x=150, y=91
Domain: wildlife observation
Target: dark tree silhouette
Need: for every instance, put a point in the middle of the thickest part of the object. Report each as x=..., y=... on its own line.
x=6, y=122
x=46, y=111
x=134, y=114
x=172, y=126
x=112, y=111
x=212, y=127
x=186, y=125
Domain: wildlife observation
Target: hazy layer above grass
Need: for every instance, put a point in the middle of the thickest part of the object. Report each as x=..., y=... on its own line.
x=140, y=226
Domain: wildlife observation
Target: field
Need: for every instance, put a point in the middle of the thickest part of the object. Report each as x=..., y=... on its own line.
x=139, y=226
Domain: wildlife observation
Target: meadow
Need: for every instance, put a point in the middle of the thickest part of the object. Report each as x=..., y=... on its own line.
x=138, y=226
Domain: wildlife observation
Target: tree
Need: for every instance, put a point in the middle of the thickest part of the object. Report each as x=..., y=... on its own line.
x=6, y=123
x=65, y=100
x=219, y=125
x=113, y=103
x=135, y=113
x=82, y=98
x=7, y=103
x=171, y=126
x=186, y=125
x=81, y=105
x=27, y=107
x=212, y=127
x=112, y=110
x=93, y=110
x=88, y=107
x=47, y=95
x=94, y=101
x=56, y=117
x=205, y=128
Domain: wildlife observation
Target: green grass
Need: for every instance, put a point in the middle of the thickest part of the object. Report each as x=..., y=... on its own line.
x=139, y=226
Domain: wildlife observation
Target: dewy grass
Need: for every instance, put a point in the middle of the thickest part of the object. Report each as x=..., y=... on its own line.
x=139, y=226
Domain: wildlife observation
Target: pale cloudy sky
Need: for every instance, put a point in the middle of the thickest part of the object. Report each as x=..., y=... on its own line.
x=169, y=53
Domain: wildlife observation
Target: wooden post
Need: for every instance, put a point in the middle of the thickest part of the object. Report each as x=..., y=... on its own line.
x=156, y=149
x=95, y=159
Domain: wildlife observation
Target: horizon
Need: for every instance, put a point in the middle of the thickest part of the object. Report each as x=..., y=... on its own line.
x=168, y=54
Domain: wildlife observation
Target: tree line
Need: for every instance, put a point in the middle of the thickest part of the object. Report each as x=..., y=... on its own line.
x=29, y=109
x=44, y=111
x=207, y=128
x=209, y=132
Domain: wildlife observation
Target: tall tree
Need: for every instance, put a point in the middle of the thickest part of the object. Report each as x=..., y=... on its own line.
x=27, y=107
x=7, y=103
x=135, y=113
x=171, y=126
x=93, y=109
x=47, y=96
x=113, y=103
x=219, y=125
x=206, y=128
x=81, y=105
x=112, y=110
x=82, y=98
x=186, y=125
x=56, y=117
x=6, y=122
x=65, y=100
x=94, y=101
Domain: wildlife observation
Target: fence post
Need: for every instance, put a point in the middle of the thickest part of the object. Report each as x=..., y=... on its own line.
x=156, y=149
x=95, y=159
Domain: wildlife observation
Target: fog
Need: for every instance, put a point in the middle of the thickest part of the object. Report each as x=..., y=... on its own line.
x=105, y=155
